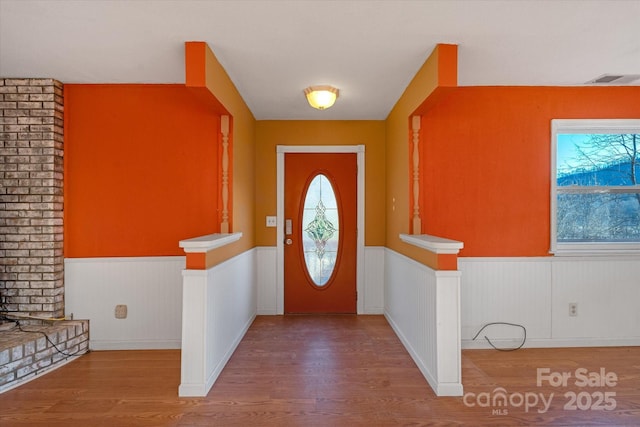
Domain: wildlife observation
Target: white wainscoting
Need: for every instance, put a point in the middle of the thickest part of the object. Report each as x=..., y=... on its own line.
x=151, y=287
x=371, y=298
x=219, y=305
x=536, y=292
x=266, y=280
x=423, y=308
x=374, y=266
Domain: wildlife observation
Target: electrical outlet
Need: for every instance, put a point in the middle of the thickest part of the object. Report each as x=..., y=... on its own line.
x=573, y=309
x=121, y=311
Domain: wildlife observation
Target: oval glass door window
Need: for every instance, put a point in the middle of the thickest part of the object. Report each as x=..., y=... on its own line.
x=321, y=230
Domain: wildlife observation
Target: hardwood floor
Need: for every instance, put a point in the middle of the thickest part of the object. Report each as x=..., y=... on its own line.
x=328, y=371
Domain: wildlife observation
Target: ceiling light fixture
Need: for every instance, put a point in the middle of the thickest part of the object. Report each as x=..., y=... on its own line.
x=321, y=97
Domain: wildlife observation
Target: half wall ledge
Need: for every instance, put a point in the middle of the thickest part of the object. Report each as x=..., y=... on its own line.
x=424, y=310
x=218, y=306
x=209, y=242
x=202, y=252
x=438, y=245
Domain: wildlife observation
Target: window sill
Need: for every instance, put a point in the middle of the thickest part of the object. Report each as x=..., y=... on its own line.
x=591, y=252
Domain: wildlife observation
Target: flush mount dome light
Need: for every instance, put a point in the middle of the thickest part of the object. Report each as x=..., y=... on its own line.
x=321, y=97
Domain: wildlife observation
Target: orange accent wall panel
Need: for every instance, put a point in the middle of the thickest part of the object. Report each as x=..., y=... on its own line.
x=195, y=64
x=141, y=170
x=486, y=175
x=196, y=261
x=447, y=262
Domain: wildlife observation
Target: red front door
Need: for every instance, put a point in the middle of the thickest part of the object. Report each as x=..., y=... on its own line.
x=320, y=233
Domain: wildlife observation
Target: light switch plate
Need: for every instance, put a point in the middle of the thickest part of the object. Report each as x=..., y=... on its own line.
x=272, y=221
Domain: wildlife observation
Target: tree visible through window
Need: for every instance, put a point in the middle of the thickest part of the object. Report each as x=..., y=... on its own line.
x=595, y=185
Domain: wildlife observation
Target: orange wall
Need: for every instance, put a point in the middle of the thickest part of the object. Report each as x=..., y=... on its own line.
x=371, y=134
x=141, y=169
x=486, y=161
x=435, y=72
x=217, y=81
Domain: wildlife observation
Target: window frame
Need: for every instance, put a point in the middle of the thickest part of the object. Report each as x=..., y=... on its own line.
x=585, y=126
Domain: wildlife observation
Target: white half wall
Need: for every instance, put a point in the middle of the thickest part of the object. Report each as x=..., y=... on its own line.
x=266, y=280
x=374, y=271
x=150, y=287
x=219, y=305
x=536, y=292
x=423, y=308
x=370, y=298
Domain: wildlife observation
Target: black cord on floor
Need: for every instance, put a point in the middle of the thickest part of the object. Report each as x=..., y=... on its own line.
x=50, y=342
x=508, y=324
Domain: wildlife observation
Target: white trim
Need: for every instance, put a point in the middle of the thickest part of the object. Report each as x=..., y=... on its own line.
x=281, y=150
x=586, y=249
x=552, y=259
x=438, y=245
x=209, y=242
x=320, y=149
x=433, y=382
x=595, y=125
x=481, y=344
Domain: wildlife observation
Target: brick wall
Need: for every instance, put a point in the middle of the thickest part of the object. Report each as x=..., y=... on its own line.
x=31, y=197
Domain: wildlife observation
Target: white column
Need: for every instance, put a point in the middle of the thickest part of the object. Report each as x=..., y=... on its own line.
x=417, y=222
x=193, y=369
x=448, y=335
x=224, y=130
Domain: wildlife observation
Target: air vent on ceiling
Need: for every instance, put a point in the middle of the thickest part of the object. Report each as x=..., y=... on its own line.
x=615, y=79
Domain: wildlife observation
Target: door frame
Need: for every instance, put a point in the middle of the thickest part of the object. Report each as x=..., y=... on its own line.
x=281, y=150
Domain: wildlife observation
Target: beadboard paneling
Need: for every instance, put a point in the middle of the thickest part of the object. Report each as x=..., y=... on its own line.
x=266, y=279
x=151, y=287
x=423, y=308
x=373, y=298
x=607, y=292
x=535, y=292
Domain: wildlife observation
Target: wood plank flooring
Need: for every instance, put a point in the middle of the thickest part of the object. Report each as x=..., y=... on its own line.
x=327, y=371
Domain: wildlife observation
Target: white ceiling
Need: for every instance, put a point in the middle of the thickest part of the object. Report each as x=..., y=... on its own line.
x=273, y=49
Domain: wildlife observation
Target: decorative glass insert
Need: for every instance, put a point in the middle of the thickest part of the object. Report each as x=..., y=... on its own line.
x=320, y=228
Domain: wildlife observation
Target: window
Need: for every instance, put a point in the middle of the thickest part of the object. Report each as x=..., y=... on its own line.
x=595, y=186
x=320, y=226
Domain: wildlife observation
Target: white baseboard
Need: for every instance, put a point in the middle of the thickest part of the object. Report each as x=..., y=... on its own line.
x=222, y=363
x=414, y=355
x=481, y=344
